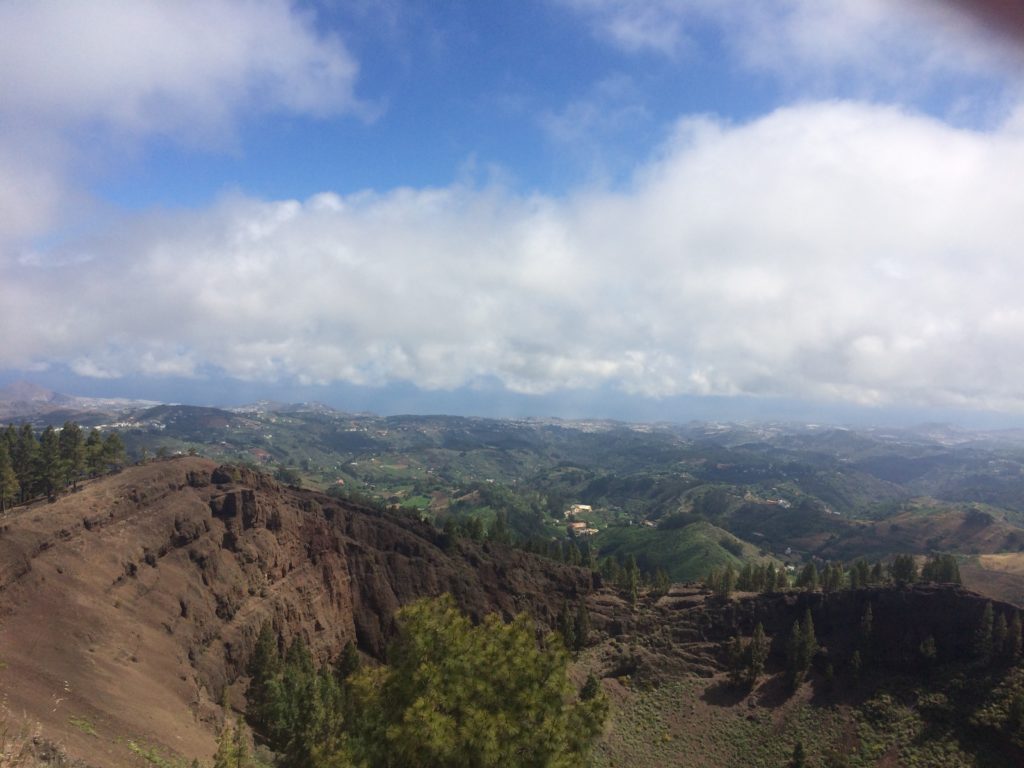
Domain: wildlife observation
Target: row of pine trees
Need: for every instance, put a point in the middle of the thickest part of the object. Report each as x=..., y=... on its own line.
x=998, y=641
x=33, y=466
x=832, y=577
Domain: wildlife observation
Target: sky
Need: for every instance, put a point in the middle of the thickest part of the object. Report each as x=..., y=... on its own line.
x=641, y=209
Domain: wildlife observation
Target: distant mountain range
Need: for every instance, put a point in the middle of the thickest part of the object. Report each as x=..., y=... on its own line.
x=23, y=400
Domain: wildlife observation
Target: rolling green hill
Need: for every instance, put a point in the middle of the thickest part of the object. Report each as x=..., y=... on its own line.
x=686, y=554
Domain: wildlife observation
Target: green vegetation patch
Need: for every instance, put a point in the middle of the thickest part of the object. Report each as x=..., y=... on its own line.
x=83, y=725
x=153, y=756
x=686, y=554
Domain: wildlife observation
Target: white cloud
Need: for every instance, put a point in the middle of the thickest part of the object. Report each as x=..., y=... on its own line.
x=916, y=49
x=837, y=250
x=157, y=67
x=84, y=82
x=642, y=25
x=610, y=113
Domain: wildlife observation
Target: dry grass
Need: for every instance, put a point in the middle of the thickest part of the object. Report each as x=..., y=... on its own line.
x=999, y=576
x=1006, y=562
x=18, y=739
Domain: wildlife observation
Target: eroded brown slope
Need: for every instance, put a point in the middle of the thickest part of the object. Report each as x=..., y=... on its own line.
x=127, y=607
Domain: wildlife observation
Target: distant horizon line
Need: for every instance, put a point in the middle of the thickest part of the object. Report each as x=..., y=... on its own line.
x=931, y=418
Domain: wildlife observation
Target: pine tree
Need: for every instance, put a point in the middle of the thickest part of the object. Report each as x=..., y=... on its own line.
x=726, y=581
x=94, y=462
x=758, y=653
x=903, y=569
x=662, y=584
x=10, y=437
x=866, y=632
x=573, y=556
x=745, y=580
x=582, y=626
x=454, y=694
x=781, y=580
x=297, y=707
x=808, y=577
x=799, y=759
x=810, y=639
x=348, y=662
x=567, y=628
x=1014, y=639
x=499, y=530
x=735, y=661
x=983, y=634
x=233, y=747
x=856, y=667
x=589, y=558
x=591, y=688
x=941, y=568
x=25, y=461
x=8, y=479
x=72, y=453
x=713, y=580
x=1000, y=631
x=632, y=578
x=264, y=668
x=800, y=650
x=877, y=575
x=796, y=667
x=227, y=748
x=610, y=570
x=48, y=461
x=241, y=745
x=863, y=571
x=113, y=450
x=833, y=577
x=1015, y=713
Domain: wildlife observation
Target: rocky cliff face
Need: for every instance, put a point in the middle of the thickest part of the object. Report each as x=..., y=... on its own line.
x=132, y=604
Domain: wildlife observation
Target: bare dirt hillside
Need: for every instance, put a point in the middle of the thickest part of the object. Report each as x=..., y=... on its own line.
x=128, y=607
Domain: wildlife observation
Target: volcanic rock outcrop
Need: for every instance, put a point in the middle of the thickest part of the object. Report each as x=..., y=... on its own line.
x=128, y=607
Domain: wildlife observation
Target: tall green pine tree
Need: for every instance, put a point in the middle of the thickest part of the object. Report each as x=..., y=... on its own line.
x=25, y=461
x=8, y=479
x=94, y=463
x=48, y=461
x=264, y=668
x=758, y=653
x=72, y=453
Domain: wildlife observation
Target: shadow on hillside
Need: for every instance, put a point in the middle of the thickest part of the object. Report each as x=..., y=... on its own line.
x=771, y=692
x=774, y=691
x=724, y=694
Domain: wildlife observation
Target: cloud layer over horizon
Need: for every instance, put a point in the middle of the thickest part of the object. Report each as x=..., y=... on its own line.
x=831, y=250
x=849, y=249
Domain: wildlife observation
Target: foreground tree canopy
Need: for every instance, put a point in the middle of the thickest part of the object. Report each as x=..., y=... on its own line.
x=453, y=694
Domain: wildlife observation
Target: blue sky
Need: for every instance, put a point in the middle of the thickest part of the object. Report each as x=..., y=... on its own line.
x=638, y=209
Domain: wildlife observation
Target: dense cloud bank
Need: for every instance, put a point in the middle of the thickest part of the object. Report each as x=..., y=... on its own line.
x=834, y=250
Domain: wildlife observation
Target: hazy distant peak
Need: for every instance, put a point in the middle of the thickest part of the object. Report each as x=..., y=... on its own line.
x=27, y=392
